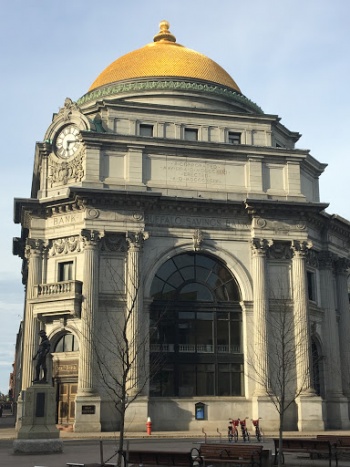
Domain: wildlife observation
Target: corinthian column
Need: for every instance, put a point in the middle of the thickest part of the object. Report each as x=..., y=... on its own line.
x=333, y=383
x=33, y=254
x=261, y=304
x=135, y=324
x=301, y=318
x=89, y=309
x=342, y=266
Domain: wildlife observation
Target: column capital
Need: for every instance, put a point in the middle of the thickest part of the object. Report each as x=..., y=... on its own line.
x=342, y=266
x=260, y=246
x=135, y=240
x=300, y=248
x=326, y=259
x=91, y=238
x=34, y=246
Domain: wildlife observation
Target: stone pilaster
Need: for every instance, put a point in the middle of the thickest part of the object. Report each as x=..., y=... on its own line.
x=309, y=405
x=261, y=304
x=342, y=266
x=336, y=403
x=87, y=396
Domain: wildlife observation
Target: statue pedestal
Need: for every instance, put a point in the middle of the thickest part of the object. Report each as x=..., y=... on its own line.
x=38, y=421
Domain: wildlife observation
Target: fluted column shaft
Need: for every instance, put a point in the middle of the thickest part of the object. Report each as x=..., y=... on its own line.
x=135, y=328
x=344, y=324
x=301, y=319
x=333, y=382
x=261, y=305
x=89, y=309
x=33, y=254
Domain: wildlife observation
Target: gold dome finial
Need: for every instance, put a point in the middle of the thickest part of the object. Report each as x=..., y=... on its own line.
x=164, y=34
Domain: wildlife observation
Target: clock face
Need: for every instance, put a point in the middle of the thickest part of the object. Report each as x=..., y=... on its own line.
x=67, y=142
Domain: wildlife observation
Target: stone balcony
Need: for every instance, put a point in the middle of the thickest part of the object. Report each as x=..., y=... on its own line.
x=57, y=298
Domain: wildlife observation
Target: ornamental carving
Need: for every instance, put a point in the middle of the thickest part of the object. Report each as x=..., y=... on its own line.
x=325, y=259
x=90, y=238
x=342, y=265
x=113, y=242
x=260, y=246
x=92, y=213
x=33, y=246
x=64, y=172
x=68, y=107
x=280, y=250
x=63, y=246
x=169, y=85
x=197, y=239
x=136, y=239
x=312, y=258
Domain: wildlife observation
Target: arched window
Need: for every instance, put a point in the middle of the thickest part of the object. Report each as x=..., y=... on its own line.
x=67, y=343
x=196, y=346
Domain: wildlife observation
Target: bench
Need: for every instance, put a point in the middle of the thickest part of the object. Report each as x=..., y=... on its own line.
x=178, y=458
x=233, y=454
x=340, y=445
x=77, y=464
x=313, y=446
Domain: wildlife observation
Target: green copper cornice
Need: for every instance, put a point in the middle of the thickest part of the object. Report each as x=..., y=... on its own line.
x=169, y=85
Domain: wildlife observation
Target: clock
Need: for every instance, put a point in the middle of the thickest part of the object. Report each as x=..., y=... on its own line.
x=68, y=141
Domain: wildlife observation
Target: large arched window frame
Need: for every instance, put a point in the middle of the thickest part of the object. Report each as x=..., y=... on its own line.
x=196, y=329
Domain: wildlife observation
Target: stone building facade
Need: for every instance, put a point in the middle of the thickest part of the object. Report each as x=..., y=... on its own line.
x=166, y=196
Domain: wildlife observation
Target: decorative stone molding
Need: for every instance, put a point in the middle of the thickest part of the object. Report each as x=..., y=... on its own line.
x=90, y=237
x=33, y=245
x=279, y=250
x=66, y=111
x=197, y=239
x=63, y=172
x=326, y=260
x=63, y=246
x=301, y=247
x=135, y=240
x=342, y=265
x=113, y=242
x=260, y=246
x=312, y=258
x=114, y=89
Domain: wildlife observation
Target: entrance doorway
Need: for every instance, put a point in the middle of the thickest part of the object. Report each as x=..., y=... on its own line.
x=66, y=403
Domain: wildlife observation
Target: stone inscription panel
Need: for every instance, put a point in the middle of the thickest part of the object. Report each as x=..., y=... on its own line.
x=194, y=173
x=221, y=223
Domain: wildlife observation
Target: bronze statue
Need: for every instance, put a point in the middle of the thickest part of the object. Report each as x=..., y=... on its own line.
x=40, y=356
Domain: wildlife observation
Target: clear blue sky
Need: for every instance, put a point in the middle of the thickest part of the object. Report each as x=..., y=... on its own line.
x=291, y=57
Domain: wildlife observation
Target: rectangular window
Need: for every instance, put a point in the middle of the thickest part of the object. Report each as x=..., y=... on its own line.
x=234, y=138
x=191, y=134
x=146, y=130
x=311, y=285
x=65, y=271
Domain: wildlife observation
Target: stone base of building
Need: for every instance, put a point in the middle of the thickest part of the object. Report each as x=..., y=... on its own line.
x=37, y=419
x=264, y=408
x=338, y=413
x=37, y=446
x=136, y=415
x=87, y=413
x=310, y=413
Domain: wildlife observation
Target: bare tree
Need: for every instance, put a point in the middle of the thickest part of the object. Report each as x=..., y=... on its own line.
x=121, y=341
x=287, y=373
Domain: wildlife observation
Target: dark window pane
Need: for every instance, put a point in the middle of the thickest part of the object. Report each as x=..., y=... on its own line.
x=191, y=134
x=146, y=130
x=68, y=343
x=195, y=291
x=187, y=380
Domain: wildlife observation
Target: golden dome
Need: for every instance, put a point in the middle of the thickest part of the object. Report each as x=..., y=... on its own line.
x=164, y=58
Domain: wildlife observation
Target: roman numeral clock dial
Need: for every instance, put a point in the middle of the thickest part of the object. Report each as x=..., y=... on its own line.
x=68, y=142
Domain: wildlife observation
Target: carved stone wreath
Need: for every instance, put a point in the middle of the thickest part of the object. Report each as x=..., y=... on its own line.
x=66, y=171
